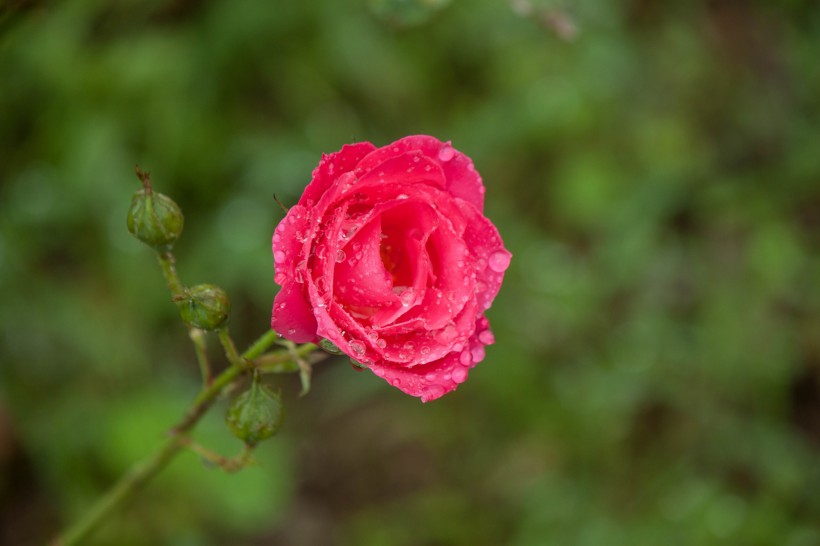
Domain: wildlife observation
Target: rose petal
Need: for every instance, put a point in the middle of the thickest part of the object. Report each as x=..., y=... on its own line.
x=292, y=315
x=408, y=169
x=361, y=279
x=484, y=242
x=463, y=181
x=435, y=379
x=331, y=167
x=287, y=243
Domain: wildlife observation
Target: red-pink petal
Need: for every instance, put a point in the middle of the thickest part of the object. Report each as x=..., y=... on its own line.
x=331, y=167
x=463, y=181
x=484, y=242
x=435, y=379
x=292, y=315
x=287, y=243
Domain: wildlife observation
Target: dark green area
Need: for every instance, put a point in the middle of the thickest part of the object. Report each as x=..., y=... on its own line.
x=656, y=377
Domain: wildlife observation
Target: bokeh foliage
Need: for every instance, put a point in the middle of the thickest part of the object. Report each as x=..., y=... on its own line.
x=656, y=378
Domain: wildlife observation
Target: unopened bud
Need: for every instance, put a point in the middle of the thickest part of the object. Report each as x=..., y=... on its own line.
x=204, y=306
x=154, y=218
x=255, y=414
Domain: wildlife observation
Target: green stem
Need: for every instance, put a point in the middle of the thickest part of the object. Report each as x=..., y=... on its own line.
x=198, y=339
x=230, y=348
x=169, y=271
x=261, y=345
x=122, y=491
x=142, y=472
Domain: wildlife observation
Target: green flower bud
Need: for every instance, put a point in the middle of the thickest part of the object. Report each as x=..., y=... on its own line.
x=255, y=414
x=154, y=218
x=204, y=306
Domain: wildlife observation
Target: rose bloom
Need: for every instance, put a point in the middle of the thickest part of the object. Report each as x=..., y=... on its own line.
x=389, y=256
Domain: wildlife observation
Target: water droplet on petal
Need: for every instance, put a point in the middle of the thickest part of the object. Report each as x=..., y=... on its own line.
x=478, y=353
x=409, y=346
x=466, y=358
x=357, y=347
x=432, y=392
x=447, y=335
x=402, y=196
x=381, y=343
x=446, y=153
x=486, y=337
x=278, y=256
x=459, y=374
x=406, y=295
x=499, y=261
x=340, y=255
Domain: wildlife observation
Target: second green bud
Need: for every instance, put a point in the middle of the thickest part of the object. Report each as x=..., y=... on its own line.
x=255, y=414
x=204, y=306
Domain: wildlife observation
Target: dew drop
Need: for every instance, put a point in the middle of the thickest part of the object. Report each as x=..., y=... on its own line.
x=282, y=305
x=425, y=350
x=466, y=358
x=340, y=255
x=478, y=353
x=402, y=196
x=278, y=256
x=432, y=392
x=381, y=344
x=446, y=153
x=459, y=375
x=409, y=346
x=486, y=337
x=357, y=347
x=499, y=261
x=291, y=331
x=448, y=334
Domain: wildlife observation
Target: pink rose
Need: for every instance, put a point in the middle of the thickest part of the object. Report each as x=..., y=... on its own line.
x=388, y=255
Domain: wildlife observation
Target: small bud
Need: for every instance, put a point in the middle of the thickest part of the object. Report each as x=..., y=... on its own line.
x=154, y=218
x=204, y=306
x=255, y=414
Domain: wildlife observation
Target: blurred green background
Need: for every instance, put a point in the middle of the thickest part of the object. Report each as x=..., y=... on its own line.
x=654, y=167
